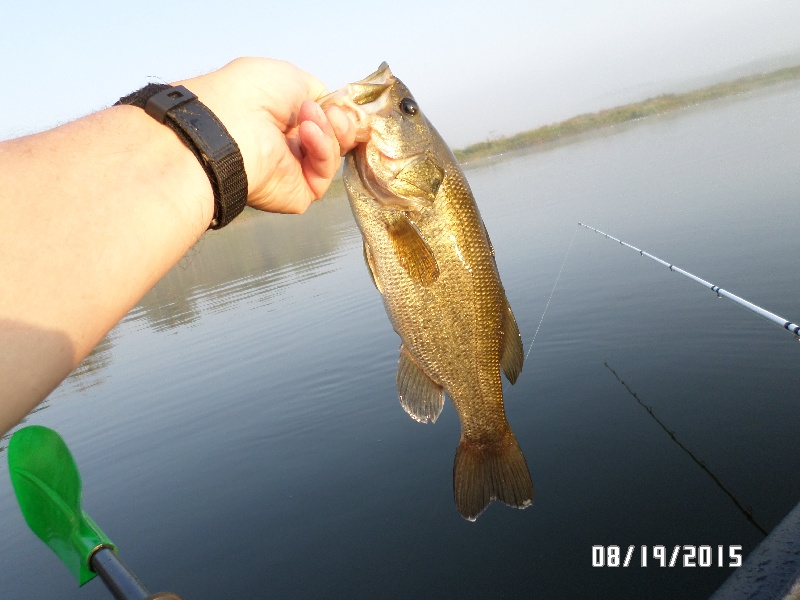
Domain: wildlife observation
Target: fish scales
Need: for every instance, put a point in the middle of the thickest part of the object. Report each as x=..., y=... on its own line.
x=430, y=257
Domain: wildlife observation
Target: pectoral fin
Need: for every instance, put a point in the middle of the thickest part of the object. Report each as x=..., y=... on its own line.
x=413, y=252
x=368, y=258
x=419, y=395
x=488, y=239
x=511, y=355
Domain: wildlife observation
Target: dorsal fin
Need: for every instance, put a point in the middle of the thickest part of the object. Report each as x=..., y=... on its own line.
x=511, y=355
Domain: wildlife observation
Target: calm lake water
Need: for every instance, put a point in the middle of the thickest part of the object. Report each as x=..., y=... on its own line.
x=239, y=433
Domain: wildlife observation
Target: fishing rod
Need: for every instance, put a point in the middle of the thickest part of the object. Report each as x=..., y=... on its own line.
x=47, y=484
x=787, y=325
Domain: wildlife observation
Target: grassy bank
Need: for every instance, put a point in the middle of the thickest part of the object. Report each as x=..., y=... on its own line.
x=621, y=114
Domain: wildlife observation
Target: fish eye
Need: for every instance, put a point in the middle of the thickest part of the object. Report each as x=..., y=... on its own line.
x=409, y=106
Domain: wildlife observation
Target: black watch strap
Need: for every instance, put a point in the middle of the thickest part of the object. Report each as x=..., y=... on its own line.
x=201, y=130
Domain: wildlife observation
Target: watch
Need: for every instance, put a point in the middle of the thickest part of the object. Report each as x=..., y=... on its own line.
x=206, y=136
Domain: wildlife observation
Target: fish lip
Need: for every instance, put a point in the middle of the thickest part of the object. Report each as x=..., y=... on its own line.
x=362, y=99
x=359, y=114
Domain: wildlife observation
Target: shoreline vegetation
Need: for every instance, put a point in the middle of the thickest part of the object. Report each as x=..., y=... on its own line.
x=624, y=113
x=609, y=117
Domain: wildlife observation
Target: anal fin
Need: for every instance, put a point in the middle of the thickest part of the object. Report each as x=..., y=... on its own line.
x=419, y=395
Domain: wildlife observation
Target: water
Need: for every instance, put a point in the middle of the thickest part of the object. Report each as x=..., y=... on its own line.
x=239, y=433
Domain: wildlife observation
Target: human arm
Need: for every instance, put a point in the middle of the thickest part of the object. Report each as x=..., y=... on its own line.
x=97, y=210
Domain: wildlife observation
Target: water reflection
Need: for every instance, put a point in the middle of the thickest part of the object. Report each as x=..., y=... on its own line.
x=93, y=369
x=253, y=258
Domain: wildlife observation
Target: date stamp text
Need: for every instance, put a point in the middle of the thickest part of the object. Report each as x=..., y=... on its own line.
x=667, y=556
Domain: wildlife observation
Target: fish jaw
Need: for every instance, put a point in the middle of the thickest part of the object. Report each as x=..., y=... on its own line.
x=406, y=184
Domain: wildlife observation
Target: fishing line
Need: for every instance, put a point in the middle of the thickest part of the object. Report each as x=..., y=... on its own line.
x=553, y=291
x=747, y=511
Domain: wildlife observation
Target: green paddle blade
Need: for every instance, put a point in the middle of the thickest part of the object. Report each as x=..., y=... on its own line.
x=48, y=488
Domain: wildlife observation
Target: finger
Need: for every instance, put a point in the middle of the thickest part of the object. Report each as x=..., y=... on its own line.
x=343, y=127
x=321, y=156
x=320, y=141
x=311, y=111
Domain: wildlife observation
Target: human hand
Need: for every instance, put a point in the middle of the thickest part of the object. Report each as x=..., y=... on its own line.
x=291, y=148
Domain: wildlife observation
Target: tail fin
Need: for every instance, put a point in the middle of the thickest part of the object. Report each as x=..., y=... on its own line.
x=486, y=472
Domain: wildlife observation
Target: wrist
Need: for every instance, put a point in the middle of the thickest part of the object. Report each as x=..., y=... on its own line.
x=177, y=179
x=200, y=130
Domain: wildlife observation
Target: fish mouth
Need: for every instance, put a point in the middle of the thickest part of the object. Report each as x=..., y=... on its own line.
x=378, y=187
x=396, y=165
x=394, y=180
x=412, y=185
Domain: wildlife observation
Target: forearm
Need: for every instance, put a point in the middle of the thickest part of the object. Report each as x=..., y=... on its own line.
x=94, y=213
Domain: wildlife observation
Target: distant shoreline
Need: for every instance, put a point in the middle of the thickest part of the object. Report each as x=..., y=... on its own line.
x=609, y=117
x=622, y=114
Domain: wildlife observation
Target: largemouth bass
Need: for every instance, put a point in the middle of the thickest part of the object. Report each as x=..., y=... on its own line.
x=430, y=257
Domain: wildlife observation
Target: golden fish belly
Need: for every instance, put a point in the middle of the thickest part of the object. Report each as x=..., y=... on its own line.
x=451, y=326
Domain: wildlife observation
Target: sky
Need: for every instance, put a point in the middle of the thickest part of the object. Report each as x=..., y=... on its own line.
x=478, y=69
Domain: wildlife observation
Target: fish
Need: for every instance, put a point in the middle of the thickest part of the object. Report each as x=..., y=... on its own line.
x=430, y=257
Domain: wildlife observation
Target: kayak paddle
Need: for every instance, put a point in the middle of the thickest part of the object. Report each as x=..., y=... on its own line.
x=48, y=488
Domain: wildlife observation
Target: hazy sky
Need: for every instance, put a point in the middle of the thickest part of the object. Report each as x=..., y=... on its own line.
x=481, y=69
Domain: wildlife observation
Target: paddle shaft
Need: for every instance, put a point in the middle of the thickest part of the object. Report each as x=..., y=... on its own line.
x=119, y=579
